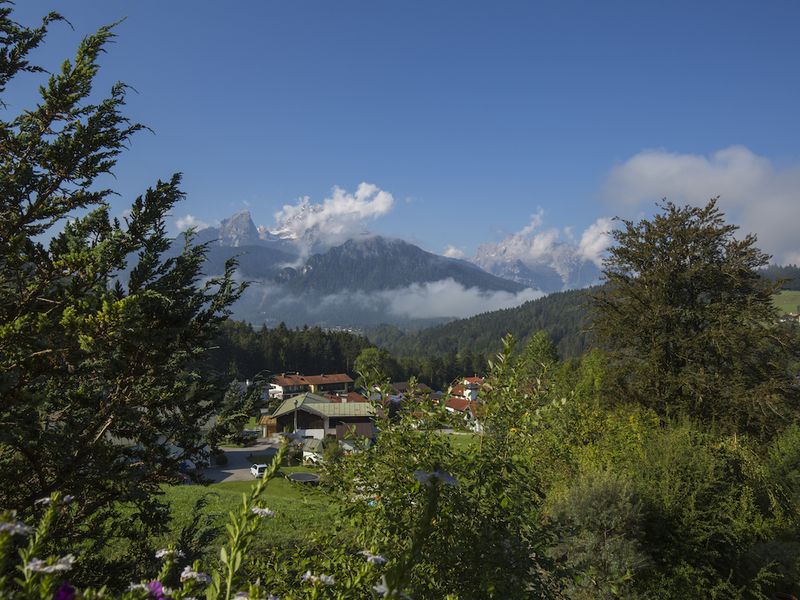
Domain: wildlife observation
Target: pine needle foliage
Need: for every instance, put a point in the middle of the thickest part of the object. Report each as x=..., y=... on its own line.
x=100, y=335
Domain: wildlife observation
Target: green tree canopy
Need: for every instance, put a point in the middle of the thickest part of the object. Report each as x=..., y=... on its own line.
x=691, y=323
x=101, y=394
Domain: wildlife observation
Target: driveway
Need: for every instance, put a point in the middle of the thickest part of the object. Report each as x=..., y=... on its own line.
x=238, y=467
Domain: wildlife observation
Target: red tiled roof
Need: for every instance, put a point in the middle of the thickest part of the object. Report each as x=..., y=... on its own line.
x=349, y=396
x=478, y=380
x=459, y=404
x=332, y=378
x=289, y=380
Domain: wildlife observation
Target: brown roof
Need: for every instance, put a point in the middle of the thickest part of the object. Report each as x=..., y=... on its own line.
x=349, y=396
x=400, y=387
x=297, y=379
x=459, y=404
x=332, y=378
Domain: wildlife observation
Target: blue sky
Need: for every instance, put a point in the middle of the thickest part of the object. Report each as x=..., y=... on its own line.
x=474, y=116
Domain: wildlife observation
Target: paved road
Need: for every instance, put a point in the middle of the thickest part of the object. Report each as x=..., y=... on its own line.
x=238, y=467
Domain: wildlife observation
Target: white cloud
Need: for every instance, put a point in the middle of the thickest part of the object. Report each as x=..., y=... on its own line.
x=550, y=248
x=453, y=252
x=595, y=240
x=448, y=298
x=340, y=217
x=188, y=221
x=754, y=194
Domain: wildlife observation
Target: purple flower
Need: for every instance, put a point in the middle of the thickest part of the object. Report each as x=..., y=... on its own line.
x=156, y=590
x=65, y=592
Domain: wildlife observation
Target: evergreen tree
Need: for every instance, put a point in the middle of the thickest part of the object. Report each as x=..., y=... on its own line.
x=102, y=395
x=691, y=323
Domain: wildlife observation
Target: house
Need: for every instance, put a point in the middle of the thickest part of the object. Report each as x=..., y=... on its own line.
x=401, y=388
x=286, y=385
x=467, y=410
x=314, y=416
x=468, y=387
x=465, y=400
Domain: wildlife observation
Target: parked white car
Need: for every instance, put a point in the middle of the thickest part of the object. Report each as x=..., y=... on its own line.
x=258, y=470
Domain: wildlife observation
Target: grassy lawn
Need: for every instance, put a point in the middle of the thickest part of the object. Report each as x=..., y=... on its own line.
x=787, y=300
x=463, y=441
x=299, y=509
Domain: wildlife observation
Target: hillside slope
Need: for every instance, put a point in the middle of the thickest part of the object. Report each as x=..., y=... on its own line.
x=563, y=315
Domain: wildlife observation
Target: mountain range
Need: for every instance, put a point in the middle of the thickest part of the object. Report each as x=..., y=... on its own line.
x=371, y=279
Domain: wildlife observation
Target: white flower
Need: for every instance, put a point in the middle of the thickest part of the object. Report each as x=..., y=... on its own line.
x=375, y=559
x=167, y=553
x=16, y=528
x=242, y=595
x=190, y=574
x=381, y=589
x=262, y=512
x=37, y=565
x=326, y=579
x=66, y=499
x=438, y=475
x=137, y=586
x=272, y=597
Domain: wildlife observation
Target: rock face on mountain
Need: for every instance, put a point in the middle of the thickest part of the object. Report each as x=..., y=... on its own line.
x=378, y=263
x=239, y=230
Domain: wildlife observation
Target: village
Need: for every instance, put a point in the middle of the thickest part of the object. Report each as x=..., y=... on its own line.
x=329, y=409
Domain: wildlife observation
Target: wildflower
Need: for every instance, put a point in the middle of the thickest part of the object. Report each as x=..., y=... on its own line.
x=37, y=565
x=169, y=553
x=15, y=528
x=262, y=512
x=157, y=591
x=190, y=574
x=438, y=475
x=326, y=579
x=65, y=592
x=42, y=502
x=137, y=586
x=242, y=595
x=374, y=559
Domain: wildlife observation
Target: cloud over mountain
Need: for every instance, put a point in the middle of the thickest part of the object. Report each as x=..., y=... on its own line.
x=339, y=217
x=185, y=222
x=754, y=193
x=549, y=259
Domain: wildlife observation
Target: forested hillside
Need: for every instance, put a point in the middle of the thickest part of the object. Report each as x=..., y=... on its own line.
x=563, y=316
x=790, y=273
x=243, y=352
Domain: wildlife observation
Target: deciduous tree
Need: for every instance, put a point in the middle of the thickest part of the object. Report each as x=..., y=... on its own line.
x=691, y=322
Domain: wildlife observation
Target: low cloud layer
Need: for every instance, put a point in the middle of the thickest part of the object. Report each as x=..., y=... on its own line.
x=432, y=300
x=755, y=194
x=338, y=218
x=448, y=298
